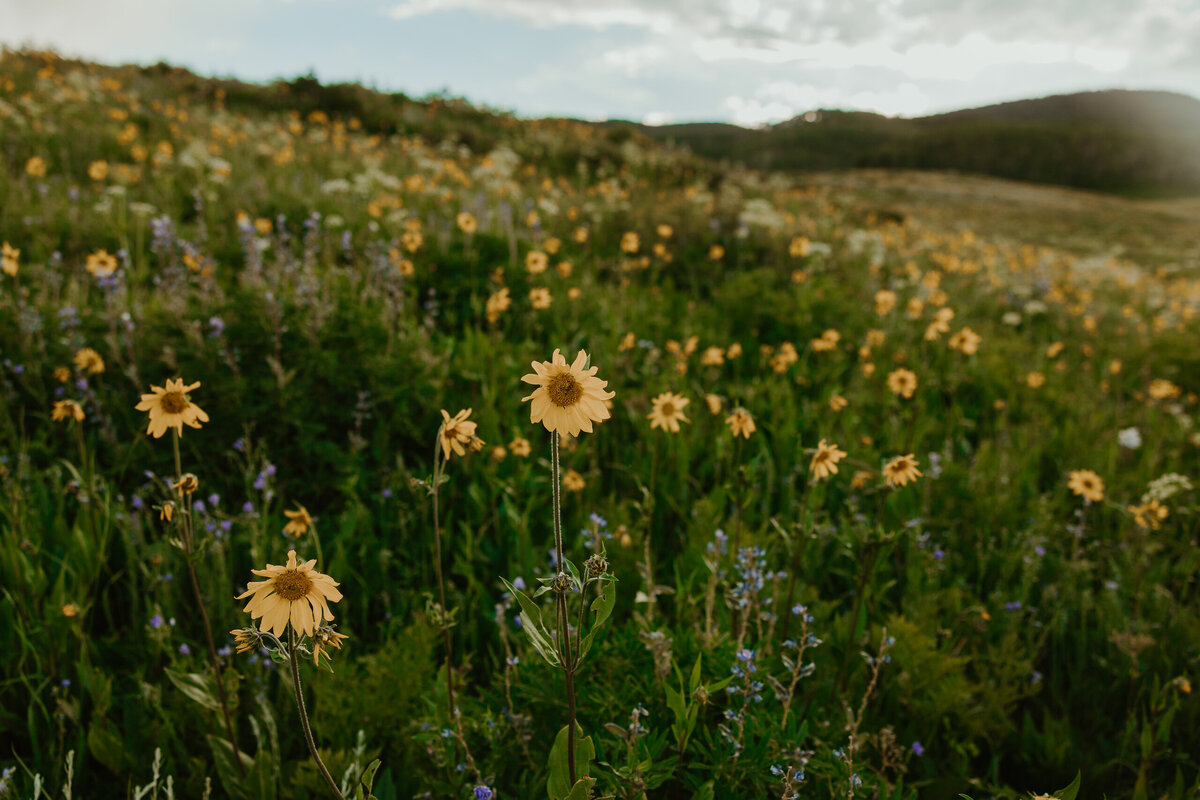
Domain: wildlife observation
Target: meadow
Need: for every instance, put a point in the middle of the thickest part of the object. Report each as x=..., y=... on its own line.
x=841, y=488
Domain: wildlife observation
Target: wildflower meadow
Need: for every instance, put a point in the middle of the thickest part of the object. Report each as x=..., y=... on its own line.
x=357, y=446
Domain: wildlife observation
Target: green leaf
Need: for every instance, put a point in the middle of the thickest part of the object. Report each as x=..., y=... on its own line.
x=196, y=686
x=695, y=681
x=367, y=781
x=705, y=792
x=223, y=755
x=558, y=778
x=105, y=746
x=1072, y=790
x=602, y=607
x=531, y=623
x=582, y=789
x=676, y=703
x=99, y=687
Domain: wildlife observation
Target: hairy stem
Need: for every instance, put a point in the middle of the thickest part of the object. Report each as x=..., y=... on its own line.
x=308, y=736
x=186, y=526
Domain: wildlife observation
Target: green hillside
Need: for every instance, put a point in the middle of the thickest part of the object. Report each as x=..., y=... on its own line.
x=1141, y=143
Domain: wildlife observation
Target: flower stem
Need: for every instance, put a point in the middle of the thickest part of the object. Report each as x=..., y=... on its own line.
x=441, y=582
x=439, y=467
x=186, y=526
x=312, y=745
x=567, y=657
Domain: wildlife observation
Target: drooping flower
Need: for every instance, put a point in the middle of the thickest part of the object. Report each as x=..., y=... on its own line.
x=88, y=359
x=294, y=593
x=299, y=521
x=824, y=461
x=901, y=469
x=497, y=304
x=170, y=407
x=457, y=431
x=885, y=301
x=667, y=412
x=65, y=410
x=568, y=397
x=8, y=259
x=324, y=638
x=1150, y=515
x=1086, y=484
x=740, y=423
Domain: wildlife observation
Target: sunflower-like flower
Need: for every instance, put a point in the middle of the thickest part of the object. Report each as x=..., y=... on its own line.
x=101, y=264
x=520, y=447
x=457, y=431
x=1086, y=484
x=294, y=593
x=740, y=423
x=569, y=398
x=170, y=407
x=65, y=410
x=901, y=469
x=540, y=298
x=902, y=382
x=668, y=412
x=299, y=521
x=536, y=262
x=572, y=481
x=824, y=461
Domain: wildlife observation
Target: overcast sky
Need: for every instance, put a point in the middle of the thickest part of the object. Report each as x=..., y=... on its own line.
x=744, y=61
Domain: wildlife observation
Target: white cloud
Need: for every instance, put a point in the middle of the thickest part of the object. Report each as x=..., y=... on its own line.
x=658, y=118
x=633, y=60
x=782, y=100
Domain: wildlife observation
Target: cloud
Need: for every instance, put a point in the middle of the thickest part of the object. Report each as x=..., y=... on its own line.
x=782, y=100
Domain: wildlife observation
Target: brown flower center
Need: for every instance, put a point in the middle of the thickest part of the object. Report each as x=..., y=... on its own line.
x=293, y=585
x=667, y=409
x=564, y=390
x=174, y=403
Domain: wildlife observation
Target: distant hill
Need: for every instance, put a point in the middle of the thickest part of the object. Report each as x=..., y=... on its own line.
x=1129, y=142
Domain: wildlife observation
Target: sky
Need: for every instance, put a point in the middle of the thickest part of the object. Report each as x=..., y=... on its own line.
x=750, y=62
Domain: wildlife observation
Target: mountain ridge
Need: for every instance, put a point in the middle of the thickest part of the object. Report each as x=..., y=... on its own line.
x=1124, y=141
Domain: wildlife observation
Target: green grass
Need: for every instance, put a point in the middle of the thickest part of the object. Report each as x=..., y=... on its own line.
x=1035, y=637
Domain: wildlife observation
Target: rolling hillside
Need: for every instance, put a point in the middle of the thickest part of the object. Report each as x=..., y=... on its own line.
x=1131, y=142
